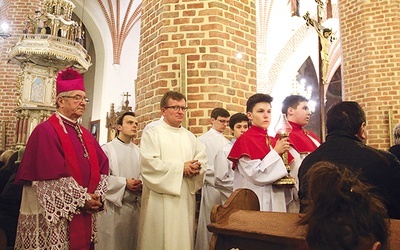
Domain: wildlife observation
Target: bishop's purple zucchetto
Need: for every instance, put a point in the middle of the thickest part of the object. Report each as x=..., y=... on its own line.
x=69, y=79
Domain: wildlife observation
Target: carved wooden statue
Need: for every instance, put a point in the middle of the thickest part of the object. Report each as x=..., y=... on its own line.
x=112, y=117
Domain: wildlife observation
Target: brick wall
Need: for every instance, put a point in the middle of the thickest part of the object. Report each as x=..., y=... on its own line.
x=14, y=13
x=371, y=62
x=208, y=34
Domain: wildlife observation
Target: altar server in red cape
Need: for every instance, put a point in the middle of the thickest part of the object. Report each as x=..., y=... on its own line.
x=302, y=141
x=256, y=157
x=64, y=173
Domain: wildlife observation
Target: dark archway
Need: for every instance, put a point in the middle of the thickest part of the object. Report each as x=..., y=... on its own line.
x=308, y=73
x=334, y=91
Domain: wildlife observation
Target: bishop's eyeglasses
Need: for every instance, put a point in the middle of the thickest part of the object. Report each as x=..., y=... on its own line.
x=77, y=98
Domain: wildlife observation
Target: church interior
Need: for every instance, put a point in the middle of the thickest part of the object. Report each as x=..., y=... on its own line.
x=216, y=52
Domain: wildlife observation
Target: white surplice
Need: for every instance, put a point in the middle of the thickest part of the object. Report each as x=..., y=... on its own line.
x=213, y=140
x=118, y=224
x=168, y=200
x=258, y=175
x=224, y=172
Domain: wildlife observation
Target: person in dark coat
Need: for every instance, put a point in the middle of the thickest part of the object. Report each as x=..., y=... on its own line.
x=10, y=200
x=395, y=149
x=8, y=159
x=344, y=147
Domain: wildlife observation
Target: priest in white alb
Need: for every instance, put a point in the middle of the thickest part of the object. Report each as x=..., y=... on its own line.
x=173, y=168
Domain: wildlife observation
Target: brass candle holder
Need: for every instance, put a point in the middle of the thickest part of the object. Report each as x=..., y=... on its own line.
x=283, y=129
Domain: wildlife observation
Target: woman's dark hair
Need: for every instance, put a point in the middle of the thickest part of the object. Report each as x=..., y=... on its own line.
x=342, y=212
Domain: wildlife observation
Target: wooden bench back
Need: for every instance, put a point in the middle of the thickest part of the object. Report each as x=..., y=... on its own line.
x=239, y=224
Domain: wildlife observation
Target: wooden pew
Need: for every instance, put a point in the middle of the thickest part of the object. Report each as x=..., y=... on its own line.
x=238, y=224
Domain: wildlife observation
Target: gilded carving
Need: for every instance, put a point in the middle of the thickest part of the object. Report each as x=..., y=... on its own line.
x=51, y=41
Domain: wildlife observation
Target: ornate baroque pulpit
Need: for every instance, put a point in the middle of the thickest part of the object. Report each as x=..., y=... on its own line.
x=51, y=41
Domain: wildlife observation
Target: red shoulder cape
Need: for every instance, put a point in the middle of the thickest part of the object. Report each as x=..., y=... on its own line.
x=254, y=143
x=300, y=140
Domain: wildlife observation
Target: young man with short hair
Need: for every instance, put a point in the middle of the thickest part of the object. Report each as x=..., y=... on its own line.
x=256, y=156
x=302, y=141
x=238, y=123
x=119, y=224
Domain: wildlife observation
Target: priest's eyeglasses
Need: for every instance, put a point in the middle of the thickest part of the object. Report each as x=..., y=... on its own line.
x=77, y=98
x=177, y=108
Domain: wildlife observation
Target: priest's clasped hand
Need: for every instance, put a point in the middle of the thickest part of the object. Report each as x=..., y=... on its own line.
x=191, y=168
x=134, y=185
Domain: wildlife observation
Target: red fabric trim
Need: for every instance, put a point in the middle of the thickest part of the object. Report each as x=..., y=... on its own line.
x=77, y=240
x=71, y=161
x=94, y=163
x=254, y=143
x=300, y=140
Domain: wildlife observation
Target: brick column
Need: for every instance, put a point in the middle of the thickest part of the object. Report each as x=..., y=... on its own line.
x=191, y=47
x=370, y=32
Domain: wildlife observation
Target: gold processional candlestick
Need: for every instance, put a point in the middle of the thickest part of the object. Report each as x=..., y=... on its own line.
x=283, y=129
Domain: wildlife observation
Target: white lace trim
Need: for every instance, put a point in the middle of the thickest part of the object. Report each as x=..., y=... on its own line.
x=59, y=200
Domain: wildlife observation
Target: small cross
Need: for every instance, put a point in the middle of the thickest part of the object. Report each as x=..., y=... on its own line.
x=127, y=108
x=127, y=95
